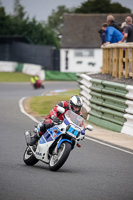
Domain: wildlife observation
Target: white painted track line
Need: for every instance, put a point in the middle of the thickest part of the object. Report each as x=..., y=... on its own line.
x=24, y=112
x=108, y=145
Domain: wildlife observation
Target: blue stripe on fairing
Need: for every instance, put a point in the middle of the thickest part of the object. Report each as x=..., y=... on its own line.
x=51, y=131
x=66, y=122
x=60, y=142
x=42, y=140
x=49, y=135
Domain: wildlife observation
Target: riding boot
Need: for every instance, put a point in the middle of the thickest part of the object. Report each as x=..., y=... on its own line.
x=38, y=134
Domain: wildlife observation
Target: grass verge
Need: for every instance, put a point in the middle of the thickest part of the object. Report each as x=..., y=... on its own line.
x=43, y=105
x=14, y=77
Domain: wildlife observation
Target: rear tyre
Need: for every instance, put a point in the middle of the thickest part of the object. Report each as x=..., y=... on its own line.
x=29, y=158
x=57, y=160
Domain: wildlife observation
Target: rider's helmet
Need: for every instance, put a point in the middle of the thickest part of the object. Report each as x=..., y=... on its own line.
x=75, y=103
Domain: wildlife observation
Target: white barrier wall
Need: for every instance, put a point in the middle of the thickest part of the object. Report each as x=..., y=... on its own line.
x=29, y=69
x=33, y=70
x=107, y=104
x=8, y=66
x=81, y=60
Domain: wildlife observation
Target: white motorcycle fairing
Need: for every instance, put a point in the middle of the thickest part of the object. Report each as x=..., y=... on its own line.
x=44, y=143
x=56, y=143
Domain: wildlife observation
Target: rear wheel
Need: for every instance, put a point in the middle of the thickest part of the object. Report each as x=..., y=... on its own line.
x=59, y=158
x=29, y=158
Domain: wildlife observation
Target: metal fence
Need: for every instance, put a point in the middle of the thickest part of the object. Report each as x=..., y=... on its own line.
x=46, y=56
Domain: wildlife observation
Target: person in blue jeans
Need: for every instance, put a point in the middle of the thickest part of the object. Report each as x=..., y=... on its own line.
x=112, y=35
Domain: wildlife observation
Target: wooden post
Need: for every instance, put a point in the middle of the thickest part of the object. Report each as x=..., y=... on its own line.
x=132, y=62
x=126, y=63
x=120, y=69
x=114, y=62
x=104, y=60
x=117, y=63
x=111, y=63
x=113, y=59
x=107, y=61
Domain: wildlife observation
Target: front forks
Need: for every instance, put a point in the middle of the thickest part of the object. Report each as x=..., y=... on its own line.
x=33, y=149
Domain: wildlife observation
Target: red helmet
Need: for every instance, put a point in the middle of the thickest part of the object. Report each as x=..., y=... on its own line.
x=75, y=103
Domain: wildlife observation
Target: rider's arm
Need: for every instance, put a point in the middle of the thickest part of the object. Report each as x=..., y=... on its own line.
x=53, y=112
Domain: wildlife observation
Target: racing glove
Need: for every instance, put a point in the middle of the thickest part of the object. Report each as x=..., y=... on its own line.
x=56, y=119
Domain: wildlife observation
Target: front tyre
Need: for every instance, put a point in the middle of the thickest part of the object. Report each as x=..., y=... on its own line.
x=29, y=158
x=59, y=158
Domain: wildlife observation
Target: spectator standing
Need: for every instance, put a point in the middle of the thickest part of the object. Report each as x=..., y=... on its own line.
x=111, y=22
x=102, y=35
x=128, y=37
x=128, y=32
x=112, y=34
x=123, y=26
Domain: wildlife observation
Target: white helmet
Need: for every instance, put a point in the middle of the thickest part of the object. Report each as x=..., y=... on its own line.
x=75, y=101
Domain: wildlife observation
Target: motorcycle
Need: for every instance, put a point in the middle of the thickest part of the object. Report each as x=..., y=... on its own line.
x=38, y=84
x=55, y=145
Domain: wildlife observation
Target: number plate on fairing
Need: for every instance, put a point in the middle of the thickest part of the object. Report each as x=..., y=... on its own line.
x=73, y=131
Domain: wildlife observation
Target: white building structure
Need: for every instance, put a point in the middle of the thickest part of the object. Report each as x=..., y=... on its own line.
x=81, y=60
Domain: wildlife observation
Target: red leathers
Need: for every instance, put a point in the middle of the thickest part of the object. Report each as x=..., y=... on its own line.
x=54, y=113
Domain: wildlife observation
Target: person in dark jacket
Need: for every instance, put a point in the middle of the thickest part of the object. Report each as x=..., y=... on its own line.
x=102, y=35
x=111, y=22
x=128, y=32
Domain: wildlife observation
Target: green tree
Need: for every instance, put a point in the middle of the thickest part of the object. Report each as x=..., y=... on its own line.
x=40, y=34
x=19, y=11
x=5, y=22
x=20, y=25
x=118, y=8
x=55, y=20
x=102, y=6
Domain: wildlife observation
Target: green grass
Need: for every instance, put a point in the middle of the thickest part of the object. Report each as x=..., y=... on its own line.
x=43, y=105
x=14, y=77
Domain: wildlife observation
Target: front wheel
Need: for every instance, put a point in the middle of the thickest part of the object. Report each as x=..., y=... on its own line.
x=59, y=158
x=29, y=158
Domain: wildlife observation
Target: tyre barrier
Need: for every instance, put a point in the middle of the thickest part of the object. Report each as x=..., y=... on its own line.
x=107, y=104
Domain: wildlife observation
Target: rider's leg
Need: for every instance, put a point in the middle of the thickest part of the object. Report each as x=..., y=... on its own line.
x=41, y=129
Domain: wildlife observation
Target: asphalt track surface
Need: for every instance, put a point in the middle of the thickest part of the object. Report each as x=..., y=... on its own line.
x=94, y=171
